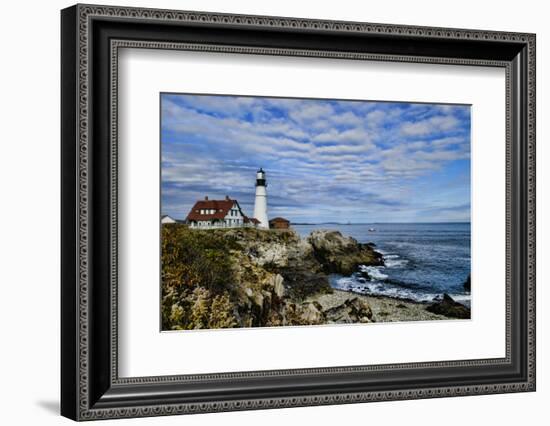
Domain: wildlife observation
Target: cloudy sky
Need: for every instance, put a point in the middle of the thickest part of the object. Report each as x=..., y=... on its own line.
x=325, y=160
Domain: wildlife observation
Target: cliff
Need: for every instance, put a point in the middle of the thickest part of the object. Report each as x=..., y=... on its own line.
x=247, y=277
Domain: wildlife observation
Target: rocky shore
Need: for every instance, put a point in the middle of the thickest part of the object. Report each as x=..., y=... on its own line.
x=247, y=277
x=383, y=309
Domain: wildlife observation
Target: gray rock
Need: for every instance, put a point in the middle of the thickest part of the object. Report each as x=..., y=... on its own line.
x=278, y=286
x=449, y=308
x=341, y=255
x=311, y=313
x=258, y=299
x=353, y=310
x=468, y=283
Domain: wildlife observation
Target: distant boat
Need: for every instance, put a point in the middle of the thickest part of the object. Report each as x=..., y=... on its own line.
x=372, y=230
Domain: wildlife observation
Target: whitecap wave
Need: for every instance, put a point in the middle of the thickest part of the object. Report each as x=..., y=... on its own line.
x=377, y=288
x=379, y=283
x=395, y=261
x=358, y=284
x=375, y=272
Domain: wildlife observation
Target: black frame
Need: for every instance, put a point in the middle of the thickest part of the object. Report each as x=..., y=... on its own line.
x=90, y=387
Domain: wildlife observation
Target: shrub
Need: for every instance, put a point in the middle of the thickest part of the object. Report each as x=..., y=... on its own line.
x=196, y=258
x=197, y=278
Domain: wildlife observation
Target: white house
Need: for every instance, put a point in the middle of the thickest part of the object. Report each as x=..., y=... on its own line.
x=167, y=219
x=209, y=214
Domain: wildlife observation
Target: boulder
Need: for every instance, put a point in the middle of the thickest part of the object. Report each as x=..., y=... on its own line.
x=449, y=308
x=359, y=309
x=341, y=255
x=302, y=281
x=312, y=313
x=468, y=283
x=352, y=311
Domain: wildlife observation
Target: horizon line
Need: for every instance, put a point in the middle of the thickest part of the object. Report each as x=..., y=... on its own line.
x=374, y=223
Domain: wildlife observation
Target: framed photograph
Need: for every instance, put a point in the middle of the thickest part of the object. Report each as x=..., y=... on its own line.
x=263, y=212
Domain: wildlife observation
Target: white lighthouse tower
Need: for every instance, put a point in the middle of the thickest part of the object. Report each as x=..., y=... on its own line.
x=260, y=203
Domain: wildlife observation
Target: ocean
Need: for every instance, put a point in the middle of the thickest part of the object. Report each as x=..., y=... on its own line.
x=422, y=260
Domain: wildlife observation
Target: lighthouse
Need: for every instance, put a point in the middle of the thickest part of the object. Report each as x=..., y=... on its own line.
x=260, y=203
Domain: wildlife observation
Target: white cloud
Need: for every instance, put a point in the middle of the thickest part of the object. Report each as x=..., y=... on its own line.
x=310, y=112
x=430, y=125
x=355, y=135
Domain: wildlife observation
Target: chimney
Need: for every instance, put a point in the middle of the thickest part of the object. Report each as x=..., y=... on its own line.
x=206, y=198
x=227, y=197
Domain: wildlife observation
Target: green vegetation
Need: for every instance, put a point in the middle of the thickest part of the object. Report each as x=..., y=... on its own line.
x=197, y=278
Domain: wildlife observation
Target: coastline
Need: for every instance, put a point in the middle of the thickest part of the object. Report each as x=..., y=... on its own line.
x=421, y=261
x=245, y=277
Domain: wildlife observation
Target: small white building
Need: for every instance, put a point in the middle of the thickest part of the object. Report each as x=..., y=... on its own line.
x=167, y=219
x=210, y=214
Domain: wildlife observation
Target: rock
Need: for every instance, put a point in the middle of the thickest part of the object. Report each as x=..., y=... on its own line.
x=341, y=255
x=267, y=299
x=359, y=309
x=270, y=255
x=302, y=282
x=258, y=300
x=449, y=308
x=267, y=249
x=278, y=286
x=353, y=310
x=311, y=313
x=468, y=283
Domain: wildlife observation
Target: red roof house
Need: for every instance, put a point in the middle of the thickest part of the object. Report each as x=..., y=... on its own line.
x=227, y=213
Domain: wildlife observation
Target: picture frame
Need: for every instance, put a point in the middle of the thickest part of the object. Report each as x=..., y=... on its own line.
x=90, y=384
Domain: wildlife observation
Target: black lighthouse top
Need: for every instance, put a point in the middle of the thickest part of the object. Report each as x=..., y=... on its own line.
x=260, y=178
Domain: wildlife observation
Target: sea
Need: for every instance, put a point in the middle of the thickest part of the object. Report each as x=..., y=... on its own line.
x=421, y=260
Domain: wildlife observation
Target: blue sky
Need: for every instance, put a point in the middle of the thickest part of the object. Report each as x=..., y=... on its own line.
x=325, y=160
